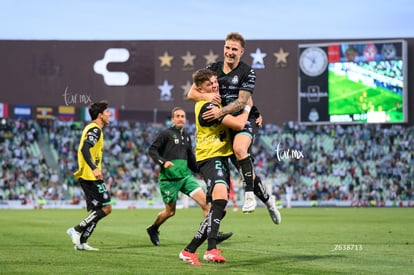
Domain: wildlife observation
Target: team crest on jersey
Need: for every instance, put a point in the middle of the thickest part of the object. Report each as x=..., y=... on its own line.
x=235, y=80
x=176, y=141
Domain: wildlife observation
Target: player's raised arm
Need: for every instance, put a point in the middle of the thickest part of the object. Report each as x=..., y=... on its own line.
x=238, y=122
x=238, y=104
x=233, y=107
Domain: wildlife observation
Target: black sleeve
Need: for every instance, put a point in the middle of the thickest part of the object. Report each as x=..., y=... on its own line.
x=254, y=113
x=157, y=146
x=204, y=109
x=191, y=159
x=92, y=137
x=87, y=155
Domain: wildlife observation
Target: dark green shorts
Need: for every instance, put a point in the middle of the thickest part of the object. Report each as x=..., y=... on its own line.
x=170, y=189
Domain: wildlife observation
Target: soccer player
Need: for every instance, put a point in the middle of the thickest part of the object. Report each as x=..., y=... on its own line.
x=172, y=150
x=237, y=81
x=213, y=149
x=90, y=177
x=259, y=188
x=236, y=84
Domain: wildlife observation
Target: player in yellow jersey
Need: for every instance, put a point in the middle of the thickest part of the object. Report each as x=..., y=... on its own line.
x=90, y=177
x=172, y=149
x=213, y=149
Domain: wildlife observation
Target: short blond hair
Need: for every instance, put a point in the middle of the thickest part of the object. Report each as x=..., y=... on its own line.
x=235, y=36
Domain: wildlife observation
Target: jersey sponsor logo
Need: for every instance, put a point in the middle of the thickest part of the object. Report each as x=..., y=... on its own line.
x=92, y=137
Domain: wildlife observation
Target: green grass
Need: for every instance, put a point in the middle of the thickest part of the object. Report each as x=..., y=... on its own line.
x=35, y=242
x=348, y=97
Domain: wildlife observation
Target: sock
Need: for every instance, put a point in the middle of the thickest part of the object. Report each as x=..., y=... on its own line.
x=260, y=190
x=94, y=216
x=88, y=232
x=155, y=226
x=217, y=212
x=246, y=169
x=199, y=237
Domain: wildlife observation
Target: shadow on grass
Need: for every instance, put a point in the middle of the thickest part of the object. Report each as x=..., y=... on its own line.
x=311, y=257
x=286, y=259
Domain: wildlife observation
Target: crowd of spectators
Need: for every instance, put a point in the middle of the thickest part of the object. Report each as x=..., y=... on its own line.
x=327, y=162
x=357, y=163
x=23, y=173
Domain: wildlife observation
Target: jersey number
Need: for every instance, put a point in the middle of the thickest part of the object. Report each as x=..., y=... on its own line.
x=102, y=188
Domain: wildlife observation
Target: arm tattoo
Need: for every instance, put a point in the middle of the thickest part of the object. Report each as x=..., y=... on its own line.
x=238, y=104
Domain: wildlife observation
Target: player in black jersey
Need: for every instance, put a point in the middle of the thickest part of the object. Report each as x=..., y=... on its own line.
x=237, y=82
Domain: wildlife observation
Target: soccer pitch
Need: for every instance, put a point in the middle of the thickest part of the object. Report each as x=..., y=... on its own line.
x=349, y=97
x=309, y=241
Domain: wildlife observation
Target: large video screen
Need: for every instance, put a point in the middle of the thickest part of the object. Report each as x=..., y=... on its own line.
x=353, y=82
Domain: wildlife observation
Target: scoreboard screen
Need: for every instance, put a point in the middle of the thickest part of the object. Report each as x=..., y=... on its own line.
x=353, y=82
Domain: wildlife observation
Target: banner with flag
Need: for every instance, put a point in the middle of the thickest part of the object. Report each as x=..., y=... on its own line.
x=22, y=111
x=66, y=113
x=115, y=114
x=44, y=112
x=4, y=110
x=85, y=114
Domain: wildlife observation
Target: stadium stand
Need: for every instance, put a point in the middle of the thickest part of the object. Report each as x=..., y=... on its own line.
x=358, y=163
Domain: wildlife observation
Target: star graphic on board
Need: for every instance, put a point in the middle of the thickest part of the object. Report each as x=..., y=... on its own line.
x=281, y=57
x=166, y=91
x=258, y=62
x=186, y=87
x=166, y=59
x=188, y=59
x=211, y=57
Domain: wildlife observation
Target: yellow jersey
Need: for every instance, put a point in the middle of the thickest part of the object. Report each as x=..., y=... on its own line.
x=212, y=139
x=92, y=134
